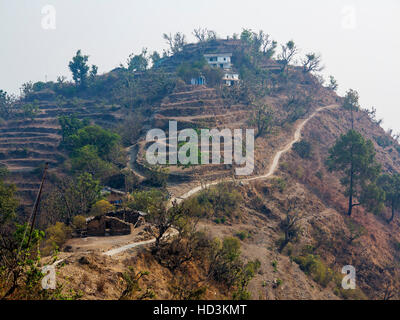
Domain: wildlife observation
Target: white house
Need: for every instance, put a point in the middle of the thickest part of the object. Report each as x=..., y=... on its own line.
x=230, y=78
x=223, y=61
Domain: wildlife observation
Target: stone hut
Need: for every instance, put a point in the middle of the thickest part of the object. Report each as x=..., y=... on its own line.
x=107, y=226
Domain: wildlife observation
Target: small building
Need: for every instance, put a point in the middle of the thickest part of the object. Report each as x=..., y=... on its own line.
x=221, y=60
x=107, y=226
x=230, y=78
x=114, y=223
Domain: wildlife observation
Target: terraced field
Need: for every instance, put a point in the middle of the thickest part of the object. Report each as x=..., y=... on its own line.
x=195, y=107
x=26, y=144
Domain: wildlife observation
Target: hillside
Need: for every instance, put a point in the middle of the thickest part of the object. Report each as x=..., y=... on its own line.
x=222, y=214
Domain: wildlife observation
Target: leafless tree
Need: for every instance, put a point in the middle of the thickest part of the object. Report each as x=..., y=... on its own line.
x=262, y=118
x=162, y=219
x=268, y=46
x=204, y=35
x=290, y=224
x=289, y=51
x=176, y=42
x=312, y=63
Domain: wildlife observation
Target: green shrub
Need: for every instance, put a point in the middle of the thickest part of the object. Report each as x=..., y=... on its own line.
x=312, y=265
x=275, y=265
x=56, y=236
x=303, y=149
x=145, y=200
x=242, y=235
x=221, y=200
x=79, y=222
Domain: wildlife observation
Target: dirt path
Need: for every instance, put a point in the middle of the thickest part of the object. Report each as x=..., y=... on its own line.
x=275, y=161
x=132, y=155
x=128, y=246
x=137, y=244
x=272, y=169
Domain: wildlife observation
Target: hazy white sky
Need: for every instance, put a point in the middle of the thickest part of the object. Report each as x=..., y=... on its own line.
x=359, y=40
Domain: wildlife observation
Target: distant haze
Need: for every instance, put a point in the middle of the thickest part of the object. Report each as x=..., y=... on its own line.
x=359, y=40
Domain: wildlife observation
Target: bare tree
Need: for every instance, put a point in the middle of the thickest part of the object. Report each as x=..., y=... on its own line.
x=312, y=63
x=204, y=35
x=289, y=50
x=176, y=42
x=390, y=282
x=267, y=45
x=290, y=224
x=162, y=219
x=263, y=119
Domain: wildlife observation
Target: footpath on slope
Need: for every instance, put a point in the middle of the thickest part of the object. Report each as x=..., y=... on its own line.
x=274, y=166
x=275, y=161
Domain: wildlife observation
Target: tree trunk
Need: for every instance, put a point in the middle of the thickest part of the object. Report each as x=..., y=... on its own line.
x=351, y=181
x=351, y=191
x=392, y=217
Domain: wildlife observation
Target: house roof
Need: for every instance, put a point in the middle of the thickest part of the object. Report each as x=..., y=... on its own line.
x=218, y=54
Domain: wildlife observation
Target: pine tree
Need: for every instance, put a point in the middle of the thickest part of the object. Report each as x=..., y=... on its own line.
x=355, y=158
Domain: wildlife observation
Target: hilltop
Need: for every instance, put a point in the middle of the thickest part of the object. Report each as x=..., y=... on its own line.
x=287, y=234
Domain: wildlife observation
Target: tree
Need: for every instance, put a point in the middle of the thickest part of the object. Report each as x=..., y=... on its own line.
x=266, y=44
x=139, y=62
x=86, y=159
x=355, y=158
x=390, y=183
x=8, y=202
x=30, y=110
x=132, y=288
x=131, y=127
x=87, y=191
x=351, y=103
x=312, y=63
x=176, y=42
x=333, y=85
x=101, y=207
x=71, y=197
x=145, y=200
x=93, y=72
x=70, y=125
x=162, y=219
x=103, y=140
x=20, y=275
x=262, y=118
x=204, y=35
x=290, y=224
x=79, y=222
x=155, y=58
x=289, y=50
x=6, y=104
x=225, y=264
x=259, y=42
x=79, y=68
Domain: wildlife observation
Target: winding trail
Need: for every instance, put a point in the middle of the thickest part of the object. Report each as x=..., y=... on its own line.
x=275, y=161
x=127, y=247
x=272, y=169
